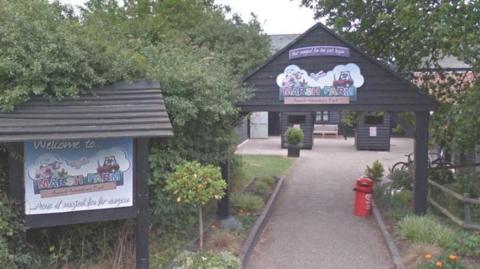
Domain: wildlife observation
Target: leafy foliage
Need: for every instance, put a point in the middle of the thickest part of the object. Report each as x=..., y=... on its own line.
x=466, y=243
x=47, y=53
x=190, y=260
x=375, y=172
x=350, y=118
x=409, y=35
x=192, y=183
x=469, y=182
x=441, y=176
x=402, y=179
x=403, y=32
x=294, y=136
x=248, y=202
x=11, y=255
x=191, y=47
x=396, y=203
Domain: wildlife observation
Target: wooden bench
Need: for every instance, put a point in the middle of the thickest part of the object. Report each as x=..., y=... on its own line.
x=325, y=129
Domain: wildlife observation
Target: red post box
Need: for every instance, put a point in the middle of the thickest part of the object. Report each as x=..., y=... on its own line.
x=363, y=197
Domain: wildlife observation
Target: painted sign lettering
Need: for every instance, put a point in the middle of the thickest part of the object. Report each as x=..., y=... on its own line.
x=75, y=175
x=342, y=81
x=318, y=51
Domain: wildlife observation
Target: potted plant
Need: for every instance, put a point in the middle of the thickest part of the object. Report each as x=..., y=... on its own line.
x=294, y=138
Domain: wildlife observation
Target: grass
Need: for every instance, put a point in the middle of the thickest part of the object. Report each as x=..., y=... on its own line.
x=248, y=202
x=426, y=230
x=258, y=166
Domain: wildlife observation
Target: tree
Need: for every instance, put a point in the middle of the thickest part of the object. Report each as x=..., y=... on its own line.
x=192, y=183
x=409, y=35
x=198, y=56
x=45, y=53
x=189, y=46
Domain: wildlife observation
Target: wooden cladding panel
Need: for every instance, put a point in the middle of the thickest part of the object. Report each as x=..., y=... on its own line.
x=382, y=87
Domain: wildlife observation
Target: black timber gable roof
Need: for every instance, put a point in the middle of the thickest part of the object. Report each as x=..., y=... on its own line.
x=383, y=90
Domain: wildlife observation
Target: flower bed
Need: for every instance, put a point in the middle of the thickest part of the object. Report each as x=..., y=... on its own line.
x=429, y=241
x=225, y=239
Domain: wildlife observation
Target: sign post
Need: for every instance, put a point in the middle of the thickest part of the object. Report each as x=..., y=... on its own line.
x=86, y=159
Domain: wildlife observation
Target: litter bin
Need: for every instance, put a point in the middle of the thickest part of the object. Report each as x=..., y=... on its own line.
x=363, y=197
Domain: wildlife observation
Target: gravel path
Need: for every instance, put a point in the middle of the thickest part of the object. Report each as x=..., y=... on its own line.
x=312, y=225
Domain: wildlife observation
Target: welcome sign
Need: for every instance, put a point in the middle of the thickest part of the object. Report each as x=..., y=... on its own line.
x=75, y=175
x=337, y=86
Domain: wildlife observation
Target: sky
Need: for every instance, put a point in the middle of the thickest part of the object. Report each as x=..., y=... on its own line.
x=276, y=16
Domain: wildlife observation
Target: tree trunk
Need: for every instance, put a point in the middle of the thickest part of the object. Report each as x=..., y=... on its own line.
x=200, y=228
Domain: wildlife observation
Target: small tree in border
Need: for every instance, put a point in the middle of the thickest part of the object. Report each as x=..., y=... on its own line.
x=196, y=184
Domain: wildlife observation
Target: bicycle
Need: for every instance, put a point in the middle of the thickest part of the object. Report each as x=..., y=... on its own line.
x=438, y=161
x=404, y=165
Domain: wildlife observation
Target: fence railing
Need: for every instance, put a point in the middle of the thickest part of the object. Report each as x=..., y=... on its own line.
x=464, y=199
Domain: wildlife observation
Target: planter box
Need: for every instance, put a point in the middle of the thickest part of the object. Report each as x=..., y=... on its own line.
x=293, y=151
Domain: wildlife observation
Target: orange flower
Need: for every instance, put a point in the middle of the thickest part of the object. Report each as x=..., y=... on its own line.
x=439, y=264
x=453, y=258
x=428, y=256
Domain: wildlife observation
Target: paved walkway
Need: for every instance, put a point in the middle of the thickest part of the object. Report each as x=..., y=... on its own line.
x=312, y=225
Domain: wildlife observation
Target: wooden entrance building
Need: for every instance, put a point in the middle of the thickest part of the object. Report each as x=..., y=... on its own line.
x=320, y=71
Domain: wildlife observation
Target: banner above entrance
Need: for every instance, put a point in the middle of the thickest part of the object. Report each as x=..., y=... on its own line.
x=338, y=86
x=318, y=51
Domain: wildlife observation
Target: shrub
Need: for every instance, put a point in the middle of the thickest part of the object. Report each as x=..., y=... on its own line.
x=402, y=179
x=222, y=241
x=401, y=199
x=246, y=201
x=395, y=202
x=375, y=172
x=261, y=188
x=441, y=176
x=247, y=221
x=191, y=260
x=469, y=182
x=294, y=136
x=11, y=256
x=425, y=229
x=231, y=224
x=466, y=243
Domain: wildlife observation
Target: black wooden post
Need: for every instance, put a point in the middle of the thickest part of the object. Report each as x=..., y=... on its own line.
x=421, y=163
x=16, y=187
x=143, y=220
x=223, y=206
x=15, y=173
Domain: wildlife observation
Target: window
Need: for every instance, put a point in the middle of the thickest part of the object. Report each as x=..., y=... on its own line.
x=369, y=119
x=322, y=116
x=296, y=119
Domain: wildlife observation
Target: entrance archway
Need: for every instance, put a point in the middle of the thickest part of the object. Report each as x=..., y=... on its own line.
x=320, y=71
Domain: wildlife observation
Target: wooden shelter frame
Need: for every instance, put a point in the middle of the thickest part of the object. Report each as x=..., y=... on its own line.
x=383, y=91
